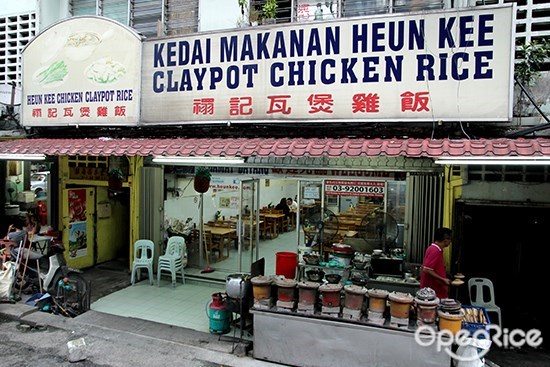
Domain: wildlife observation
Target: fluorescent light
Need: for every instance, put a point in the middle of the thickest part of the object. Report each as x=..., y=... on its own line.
x=501, y=161
x=198, y=160
x=22, y=157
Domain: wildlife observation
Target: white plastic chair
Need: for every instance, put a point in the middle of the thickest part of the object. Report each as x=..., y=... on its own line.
x=174, y=259
x=144, y=253
x=477, y=288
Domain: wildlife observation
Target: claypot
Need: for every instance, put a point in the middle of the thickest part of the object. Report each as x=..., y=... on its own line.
x=201, y=184
x=450, y=321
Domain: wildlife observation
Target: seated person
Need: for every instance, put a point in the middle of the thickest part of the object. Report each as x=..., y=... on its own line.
x=16, y=234
x=284, y=207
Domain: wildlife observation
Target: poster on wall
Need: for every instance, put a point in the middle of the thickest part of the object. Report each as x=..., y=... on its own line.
x=78, y=239
x=77, y=223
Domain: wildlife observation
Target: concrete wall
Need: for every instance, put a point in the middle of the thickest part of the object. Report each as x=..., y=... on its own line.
x=507, y=191
x=185, y=204
x=10, y=7
x=218, y=14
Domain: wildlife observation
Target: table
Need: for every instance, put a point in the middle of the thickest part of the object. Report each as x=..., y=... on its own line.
x=319, y=341
x=331, y=233
x=222, y=233
x=275, y=219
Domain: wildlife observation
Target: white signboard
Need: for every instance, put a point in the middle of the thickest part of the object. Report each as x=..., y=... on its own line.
x=82, y=71
x=355, y=188
x=400, y=67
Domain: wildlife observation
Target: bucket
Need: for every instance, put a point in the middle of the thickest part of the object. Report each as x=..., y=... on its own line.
x=285, y=264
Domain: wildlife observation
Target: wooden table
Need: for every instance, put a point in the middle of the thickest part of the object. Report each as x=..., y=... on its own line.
x=332, y=233
x=275, y=219
x=222, y=233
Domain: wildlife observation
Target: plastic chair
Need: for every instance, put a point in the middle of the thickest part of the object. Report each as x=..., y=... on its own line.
x=477, y=288
x=144, y=253
x=174, y=259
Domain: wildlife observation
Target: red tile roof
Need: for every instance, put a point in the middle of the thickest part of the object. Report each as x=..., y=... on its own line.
x=275, y=147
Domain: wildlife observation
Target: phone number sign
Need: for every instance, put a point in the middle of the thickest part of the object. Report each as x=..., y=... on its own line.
x=355, y=188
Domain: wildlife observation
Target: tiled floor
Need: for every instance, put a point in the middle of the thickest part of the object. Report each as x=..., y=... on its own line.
x=185, y=305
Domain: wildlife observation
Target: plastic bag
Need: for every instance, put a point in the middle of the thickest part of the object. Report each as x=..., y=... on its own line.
x=471, y=355
x=6, y=279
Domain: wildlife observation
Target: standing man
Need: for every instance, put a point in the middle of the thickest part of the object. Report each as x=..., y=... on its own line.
x=433, y=272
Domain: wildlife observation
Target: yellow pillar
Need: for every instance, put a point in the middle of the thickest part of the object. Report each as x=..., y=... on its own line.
x=452, y=192
x=136, y=163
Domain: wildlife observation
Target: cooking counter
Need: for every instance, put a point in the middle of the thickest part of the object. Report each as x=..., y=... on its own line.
x=321, y=341
x=393, y=285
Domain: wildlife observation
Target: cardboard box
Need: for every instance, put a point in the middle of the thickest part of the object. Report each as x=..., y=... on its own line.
x=25, y=196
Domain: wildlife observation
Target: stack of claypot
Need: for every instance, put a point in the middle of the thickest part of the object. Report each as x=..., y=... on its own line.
x=377, y=305
x=400, y=307
x=450, y=315
x=426, y=307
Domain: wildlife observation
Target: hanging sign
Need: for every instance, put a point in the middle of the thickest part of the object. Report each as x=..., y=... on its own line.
x=355, y=188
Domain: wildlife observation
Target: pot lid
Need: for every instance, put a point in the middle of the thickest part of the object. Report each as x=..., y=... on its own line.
x=342, y=247
x=306, y=284
x=261, y=280
x=377, y=293
x=285, y=283
x=355, y=289
x=400, y=297
x=330, y=288
x=426, y=294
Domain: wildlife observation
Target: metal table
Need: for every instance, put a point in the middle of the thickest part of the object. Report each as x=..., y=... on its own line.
x=319, y=341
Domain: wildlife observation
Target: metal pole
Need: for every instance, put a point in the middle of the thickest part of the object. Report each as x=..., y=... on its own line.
x=201, y=230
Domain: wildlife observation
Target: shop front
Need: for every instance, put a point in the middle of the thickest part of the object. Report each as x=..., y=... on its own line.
x=356, y=198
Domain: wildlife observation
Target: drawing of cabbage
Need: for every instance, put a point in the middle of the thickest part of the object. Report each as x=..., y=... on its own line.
x=105, y=71
x=55, y=72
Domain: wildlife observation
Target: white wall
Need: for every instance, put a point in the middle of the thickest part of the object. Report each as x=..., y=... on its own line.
x=218, y=14
x=186, y=203
x=10, y=7
x=52, y=11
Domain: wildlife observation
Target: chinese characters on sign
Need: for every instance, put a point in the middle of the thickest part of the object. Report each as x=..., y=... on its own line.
x=317, y=104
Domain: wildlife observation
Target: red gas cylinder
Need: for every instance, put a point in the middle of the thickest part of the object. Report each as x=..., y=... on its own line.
x=42, y=212
x=219, y=315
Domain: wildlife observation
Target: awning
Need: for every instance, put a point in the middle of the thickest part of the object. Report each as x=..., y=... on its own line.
x=281, y=147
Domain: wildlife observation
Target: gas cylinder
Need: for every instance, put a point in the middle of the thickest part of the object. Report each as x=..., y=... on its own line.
x=42, y=211
x=218, y=314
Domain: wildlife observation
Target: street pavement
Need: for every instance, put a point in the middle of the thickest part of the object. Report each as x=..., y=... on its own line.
x=111, y=341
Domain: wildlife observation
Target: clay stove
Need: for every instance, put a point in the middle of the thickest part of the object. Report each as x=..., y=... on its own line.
x=400, y=306
x=426, y=307
x=286, y=294
x=307, y=297
x=353, y=302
